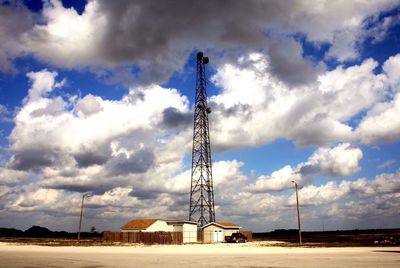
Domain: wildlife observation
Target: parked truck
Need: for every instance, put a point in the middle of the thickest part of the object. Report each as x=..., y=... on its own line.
x=236, y=238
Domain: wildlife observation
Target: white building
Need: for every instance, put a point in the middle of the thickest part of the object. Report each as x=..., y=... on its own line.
x=216, y=231
x=188, y=228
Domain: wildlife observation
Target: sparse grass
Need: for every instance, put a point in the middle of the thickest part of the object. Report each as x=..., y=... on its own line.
x=66, y=242
x=54, y=241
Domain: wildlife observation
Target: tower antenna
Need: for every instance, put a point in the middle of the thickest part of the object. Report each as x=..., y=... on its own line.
x=201, y=187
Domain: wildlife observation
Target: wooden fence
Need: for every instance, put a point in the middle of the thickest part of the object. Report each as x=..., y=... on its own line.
x=157, y=237
x=144, y=237
x=248, y=234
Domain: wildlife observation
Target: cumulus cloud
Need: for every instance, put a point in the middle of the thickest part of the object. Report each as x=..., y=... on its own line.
x=79, y=144
x=174, y=118
x=27, y=160
x=391, y=68
x=86, y=159
x=138, y=162
x=132, y=152
x=265, y=109
x=342, y=160
x=288, y=64
x=12, y=177
x=326, y=193
x=14, y=23
x=88, y=105
x=65, y=37
x=168, y=198
x=385, y=183
x=158, y=37
x=42, y=83
x=378, y=31
x=277, y=181
x=339, y=202
x=381, y=124
x=4, y=114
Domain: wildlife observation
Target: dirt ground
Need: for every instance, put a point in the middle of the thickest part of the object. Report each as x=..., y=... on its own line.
x=255, y=255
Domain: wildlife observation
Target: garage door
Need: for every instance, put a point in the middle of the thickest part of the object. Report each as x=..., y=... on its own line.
x=218, y=236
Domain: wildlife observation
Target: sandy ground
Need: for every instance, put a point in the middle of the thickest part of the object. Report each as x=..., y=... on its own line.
x=255, y=255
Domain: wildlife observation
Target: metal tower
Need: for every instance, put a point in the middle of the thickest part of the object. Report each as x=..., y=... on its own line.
x=201, y=188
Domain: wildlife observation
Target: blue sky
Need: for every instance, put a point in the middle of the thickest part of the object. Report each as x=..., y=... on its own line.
x=97, y=96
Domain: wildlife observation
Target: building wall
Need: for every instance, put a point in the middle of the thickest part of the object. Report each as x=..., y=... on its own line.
x=176, y=227
x=210, y=236
x=158, y=226
x=213, y=234
x=189, y=233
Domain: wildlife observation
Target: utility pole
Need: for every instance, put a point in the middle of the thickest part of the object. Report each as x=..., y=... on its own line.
x=201, y=187
x=298, y=212
x=80, y=218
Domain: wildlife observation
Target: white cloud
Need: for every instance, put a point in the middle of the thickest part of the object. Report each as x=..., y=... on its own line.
x=326, y=193
x=332, y=201
x=37, y=199
x=346, y=43
x=42, y=83
x=13, y=23
x=78, y=144
x=67, y=38
x=254, y=107
x=159, y=42
x=379, y=31
x=12, y=177
x=342, y=160
x=387, y=163
x=4, y=114
x=341, y=203
x=392, y=68
x=382, y=123
x=340, y=24
x=69, y=131
x=3, y=110
x=279, y=180
x=88, y=105
x=131, y=152
x=382, y=184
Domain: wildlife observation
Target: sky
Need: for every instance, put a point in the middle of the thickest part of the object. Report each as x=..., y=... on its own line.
x=97, y=96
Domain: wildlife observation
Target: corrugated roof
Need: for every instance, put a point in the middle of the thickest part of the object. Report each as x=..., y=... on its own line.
x=139, y=224
x=227, y=224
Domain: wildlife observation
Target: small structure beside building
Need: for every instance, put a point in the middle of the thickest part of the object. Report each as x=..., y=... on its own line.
x=214, y=232
x=188, y=228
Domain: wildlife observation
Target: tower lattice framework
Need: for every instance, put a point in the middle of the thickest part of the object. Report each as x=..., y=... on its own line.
x=201, y=188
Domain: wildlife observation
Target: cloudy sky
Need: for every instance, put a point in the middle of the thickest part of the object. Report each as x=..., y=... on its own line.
x=98, y=96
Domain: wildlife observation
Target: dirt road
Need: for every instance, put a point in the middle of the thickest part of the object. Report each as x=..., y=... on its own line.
x=222, y=255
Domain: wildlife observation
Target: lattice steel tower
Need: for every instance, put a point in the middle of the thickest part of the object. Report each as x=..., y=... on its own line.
x=201, y=188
